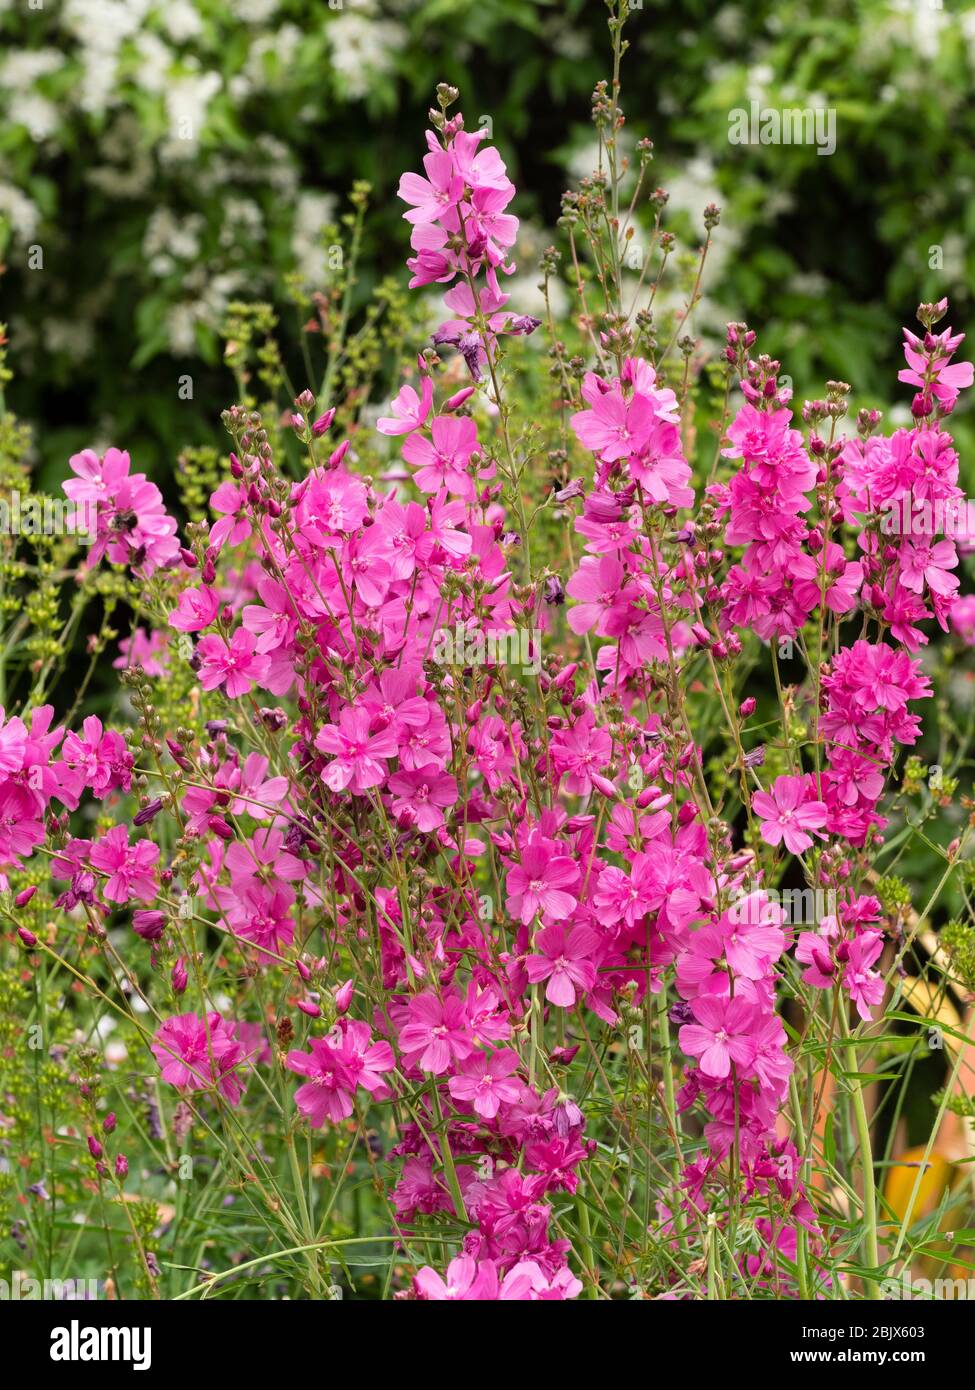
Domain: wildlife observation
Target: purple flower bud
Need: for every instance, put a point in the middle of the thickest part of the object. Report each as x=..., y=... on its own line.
x=109, y=1122
x=219, y=827
x=339, y=454
x=94, y=1147
x=747, y=707
x=554, y=591
x=323, y=423
x=147, y=813
x=27, y=937
x=148, y=923
x=573, y=488
x=522, y=324
x=307, y=1007
x=83, y=884
x=121, y=1166
x=24, y=897
x=179, y=977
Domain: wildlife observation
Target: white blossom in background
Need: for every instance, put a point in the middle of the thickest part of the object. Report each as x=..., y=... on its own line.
x=20, y=212
x=172, y=236
x=73, y=337
x=181, y=20
x=187, y=98
x=255, y=11
x=363, y=50
x=101, y=27
x=129, y=171
x=23, y=104
x=156, y=60
x=314, y=211
x=20, y=70
x=243, y=220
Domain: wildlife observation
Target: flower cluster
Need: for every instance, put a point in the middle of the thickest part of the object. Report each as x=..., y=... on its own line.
x=131, y=525
x=460, y=232
x=523, y=885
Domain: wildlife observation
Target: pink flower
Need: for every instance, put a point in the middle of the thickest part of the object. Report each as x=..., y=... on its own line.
x=130, y=523
x=565, y=962
x=721, y=1035
x=922, y=562
x=420, y=795
x=259, y=913
x=466, y=1282
x=196, y=1054
x=366, y=1061
x=434, y=196
x=97, y=480
x=359, y=760
x=145, y=649
x=129, y=867
x=787, y=813
x=443, y=462
x=237, y=668
x=331, y=504
x=539, y=883
x=932, y=370
x=195, y=610
x=100, y=755
x=864, y=986
x=613, y=428
x=21, y=829
x=232, y=502
x=409, y=410
x=754, y=937
x=813, y=950
x=437, y=1033
x=13, y=741
x=328, y=1093
x=485, y=1081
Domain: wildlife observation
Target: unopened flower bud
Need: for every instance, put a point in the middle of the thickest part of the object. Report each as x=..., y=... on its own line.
x=457, y=400
x=149, y=923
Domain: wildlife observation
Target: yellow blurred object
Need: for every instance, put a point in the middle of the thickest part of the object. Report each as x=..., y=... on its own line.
x=939, y=1176
x=934, y=1006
